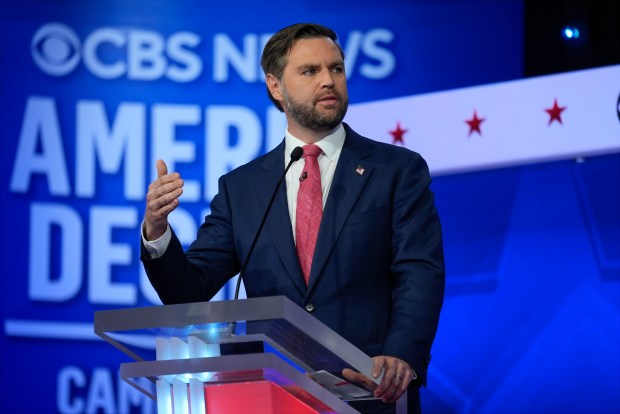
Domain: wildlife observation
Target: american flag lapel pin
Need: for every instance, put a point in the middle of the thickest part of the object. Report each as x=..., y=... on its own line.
x=359, y=170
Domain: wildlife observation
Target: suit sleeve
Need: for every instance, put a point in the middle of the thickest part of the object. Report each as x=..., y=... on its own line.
x=417, y=269
x=211, y=260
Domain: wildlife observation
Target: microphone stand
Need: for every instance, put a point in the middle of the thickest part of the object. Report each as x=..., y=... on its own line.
x=295, y=156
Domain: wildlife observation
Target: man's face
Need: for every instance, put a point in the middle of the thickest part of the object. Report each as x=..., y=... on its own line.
x=314, y=86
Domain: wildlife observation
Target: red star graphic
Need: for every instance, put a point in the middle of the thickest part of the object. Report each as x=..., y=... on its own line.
x=555, y=112
x=474, y=124
x=397, y=134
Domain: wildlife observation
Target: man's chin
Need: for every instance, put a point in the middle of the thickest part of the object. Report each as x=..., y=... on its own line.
x=332, y=114
x=328, y=126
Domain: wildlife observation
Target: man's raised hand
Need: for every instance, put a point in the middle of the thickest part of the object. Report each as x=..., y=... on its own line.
x=161, y=199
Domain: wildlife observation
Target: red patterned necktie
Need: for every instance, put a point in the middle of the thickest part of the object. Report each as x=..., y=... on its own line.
x=309, y=208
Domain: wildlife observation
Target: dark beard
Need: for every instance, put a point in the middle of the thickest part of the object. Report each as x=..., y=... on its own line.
x=308, y=117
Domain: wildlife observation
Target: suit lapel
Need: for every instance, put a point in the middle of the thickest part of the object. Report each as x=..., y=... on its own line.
x=350, y=178
x=278, y=223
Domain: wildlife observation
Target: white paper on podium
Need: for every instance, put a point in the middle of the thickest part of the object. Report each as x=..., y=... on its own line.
x=339, y=386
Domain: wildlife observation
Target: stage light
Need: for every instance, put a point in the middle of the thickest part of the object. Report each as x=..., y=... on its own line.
x=570, y=32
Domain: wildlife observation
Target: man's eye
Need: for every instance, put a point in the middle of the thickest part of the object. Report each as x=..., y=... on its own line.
x=309, y=72
x=338, y=69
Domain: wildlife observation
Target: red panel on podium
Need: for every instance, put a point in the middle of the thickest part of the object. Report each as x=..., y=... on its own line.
x=260, y=397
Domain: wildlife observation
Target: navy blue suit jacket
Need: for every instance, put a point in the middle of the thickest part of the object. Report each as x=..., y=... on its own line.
x=378, y=273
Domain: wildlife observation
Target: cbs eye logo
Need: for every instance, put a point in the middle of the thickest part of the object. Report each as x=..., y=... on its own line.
x=55, y=49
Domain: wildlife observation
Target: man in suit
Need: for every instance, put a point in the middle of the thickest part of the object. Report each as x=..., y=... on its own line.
x=367, y=261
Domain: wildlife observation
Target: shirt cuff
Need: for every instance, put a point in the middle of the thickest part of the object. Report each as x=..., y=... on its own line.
x=157, y=248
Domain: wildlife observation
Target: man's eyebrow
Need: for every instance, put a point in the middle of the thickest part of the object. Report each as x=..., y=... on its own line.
x=306, y=66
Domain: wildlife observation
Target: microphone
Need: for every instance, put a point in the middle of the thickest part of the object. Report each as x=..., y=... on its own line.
x=295, y=156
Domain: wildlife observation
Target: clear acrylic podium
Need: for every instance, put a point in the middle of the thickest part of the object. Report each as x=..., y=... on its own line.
x=260, y=355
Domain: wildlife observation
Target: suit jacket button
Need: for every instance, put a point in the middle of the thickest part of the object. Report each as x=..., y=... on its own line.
x=310, y=307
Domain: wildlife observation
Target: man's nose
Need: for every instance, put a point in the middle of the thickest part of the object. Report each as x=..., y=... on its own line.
x=327, y=79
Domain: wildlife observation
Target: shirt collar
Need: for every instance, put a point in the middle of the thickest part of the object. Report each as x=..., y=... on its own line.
x=331, y=144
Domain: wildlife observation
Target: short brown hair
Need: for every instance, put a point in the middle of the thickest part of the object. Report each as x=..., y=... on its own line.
x=274, y=58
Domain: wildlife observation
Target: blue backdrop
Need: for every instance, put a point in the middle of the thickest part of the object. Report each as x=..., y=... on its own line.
x=92, y=92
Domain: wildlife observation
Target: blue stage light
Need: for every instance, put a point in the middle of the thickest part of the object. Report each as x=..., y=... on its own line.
x=570, y=32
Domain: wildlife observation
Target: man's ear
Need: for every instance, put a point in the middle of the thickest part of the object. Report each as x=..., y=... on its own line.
x=273, y=84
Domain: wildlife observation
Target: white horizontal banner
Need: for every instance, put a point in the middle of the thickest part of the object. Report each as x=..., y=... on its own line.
x=569, y=115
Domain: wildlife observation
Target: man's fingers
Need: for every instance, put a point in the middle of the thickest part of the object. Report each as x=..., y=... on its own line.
x=164, y=201
x=393, y=384
x=170, y=190
x=359, y=378
x=377, y=366
x=162, y=168
x=397, y=375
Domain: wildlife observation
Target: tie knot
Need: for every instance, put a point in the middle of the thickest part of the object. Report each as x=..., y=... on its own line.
x=312, y=150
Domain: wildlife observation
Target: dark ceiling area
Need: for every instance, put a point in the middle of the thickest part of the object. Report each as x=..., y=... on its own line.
x=570, y=35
